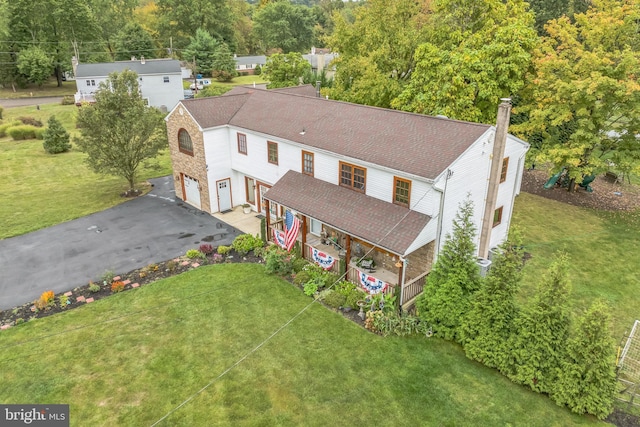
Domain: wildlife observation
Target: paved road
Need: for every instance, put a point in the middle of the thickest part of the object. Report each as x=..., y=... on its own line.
x=149, y=229
x=21, y=102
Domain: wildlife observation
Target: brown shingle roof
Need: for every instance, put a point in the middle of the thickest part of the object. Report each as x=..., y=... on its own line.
x=214, y=111
x=417, y=144
x=362, y=216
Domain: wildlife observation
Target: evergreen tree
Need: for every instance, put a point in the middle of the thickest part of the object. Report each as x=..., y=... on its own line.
x=224, y=66
x=201, y=49
x=543, y=331
x=133, y=40
x=56, y=137
x=587, y=379
x=453, y=279
x=489, y=326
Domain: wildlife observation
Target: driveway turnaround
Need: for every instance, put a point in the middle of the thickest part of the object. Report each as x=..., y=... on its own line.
x=149, y=229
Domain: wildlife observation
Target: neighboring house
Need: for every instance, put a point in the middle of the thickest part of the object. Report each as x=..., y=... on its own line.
x=319, y=60
x=185, y=70
x=248, y=64
x=160, y=80
x=362, y=180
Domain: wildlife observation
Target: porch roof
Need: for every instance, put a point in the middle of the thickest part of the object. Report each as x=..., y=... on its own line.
x=357, y=214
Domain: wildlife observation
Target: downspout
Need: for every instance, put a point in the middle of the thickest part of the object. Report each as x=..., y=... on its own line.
x=441, y=214
x=404, y=270
x=499, y=142
x=515, y=188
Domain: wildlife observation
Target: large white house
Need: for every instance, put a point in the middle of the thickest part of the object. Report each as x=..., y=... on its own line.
x=160, y=80
x=362, y=180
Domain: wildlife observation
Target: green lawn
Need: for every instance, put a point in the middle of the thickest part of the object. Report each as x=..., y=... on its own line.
x=134, y=357
x=604, y=250
x=49, y=88
x=39, y=189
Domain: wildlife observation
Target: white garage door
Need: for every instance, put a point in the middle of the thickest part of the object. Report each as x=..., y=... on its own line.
x=191, y=191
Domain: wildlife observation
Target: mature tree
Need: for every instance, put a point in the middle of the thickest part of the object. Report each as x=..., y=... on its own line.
x=376, y=50
x=546, y=10
x=134, y=40
x=323, y=19
x=202, y=50
x=119, y=131
x=453, y=279
x=478, y=52
x=111, y=17
x=489, y=325
x=245, y=42
x=51, y=24
x=35, y=65
x=587, y=378
x=285, y=70
x=224, y=66
x=55, y=137
x=281, y=25
x=584, y=97
x=543, y=331
x=179, y=18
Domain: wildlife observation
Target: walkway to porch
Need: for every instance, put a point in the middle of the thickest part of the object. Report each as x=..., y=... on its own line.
x=247, y=223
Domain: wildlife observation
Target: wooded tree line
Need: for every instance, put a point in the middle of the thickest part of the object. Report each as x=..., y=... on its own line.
x=571, y=66
x=534, y=343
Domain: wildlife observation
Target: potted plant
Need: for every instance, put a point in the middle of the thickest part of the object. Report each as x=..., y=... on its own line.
x=246, y=208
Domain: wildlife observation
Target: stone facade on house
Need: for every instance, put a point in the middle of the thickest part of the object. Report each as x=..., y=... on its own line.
x=420, y=261
x=188, y=164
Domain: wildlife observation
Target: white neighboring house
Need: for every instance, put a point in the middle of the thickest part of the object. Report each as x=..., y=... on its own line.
x=362, y=180
x=160, y=80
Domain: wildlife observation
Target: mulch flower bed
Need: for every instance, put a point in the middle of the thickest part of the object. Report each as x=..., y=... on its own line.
x=94, y=291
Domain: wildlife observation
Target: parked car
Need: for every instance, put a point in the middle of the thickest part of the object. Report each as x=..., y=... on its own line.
x=198, y=86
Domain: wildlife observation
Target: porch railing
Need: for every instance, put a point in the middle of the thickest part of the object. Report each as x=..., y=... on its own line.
x=413, y=288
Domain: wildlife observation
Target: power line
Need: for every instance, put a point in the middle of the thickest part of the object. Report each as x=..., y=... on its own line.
x=282, y=327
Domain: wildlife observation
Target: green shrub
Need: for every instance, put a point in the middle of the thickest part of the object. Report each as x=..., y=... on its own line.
x=393, y=323
x=4, y=127
x=245, y=243
x=56, y=138
x=223, y=250
x=311, y=287
x=40, y=134
x=298, y=264
x=1, y=110
x=108, y=276
x=301, y=278
x=30, y=121
x=68, y=100
x=353, y=297
x=93, y=288
x=332, y=298
x=22, y=132
x=277, y=261
x=195, y=254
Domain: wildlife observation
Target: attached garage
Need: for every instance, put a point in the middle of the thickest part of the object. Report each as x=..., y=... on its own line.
x=191, y=190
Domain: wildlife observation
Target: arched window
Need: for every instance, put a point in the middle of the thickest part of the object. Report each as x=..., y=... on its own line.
x=184, y=142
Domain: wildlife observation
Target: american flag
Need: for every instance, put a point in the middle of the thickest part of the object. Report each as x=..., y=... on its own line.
x=291, y=228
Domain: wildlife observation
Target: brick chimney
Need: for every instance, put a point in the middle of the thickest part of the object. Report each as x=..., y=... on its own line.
x=499, y=142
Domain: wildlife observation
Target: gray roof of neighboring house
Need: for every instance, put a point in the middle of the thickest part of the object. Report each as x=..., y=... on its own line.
x=421, y=145
x=150, y=66
x=246, y=60
x=337, y=207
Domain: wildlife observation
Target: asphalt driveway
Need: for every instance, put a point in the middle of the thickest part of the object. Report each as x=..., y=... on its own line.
x=145, y=230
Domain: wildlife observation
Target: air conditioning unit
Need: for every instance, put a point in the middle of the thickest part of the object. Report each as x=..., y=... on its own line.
x=484, y=265
x=493, y=252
